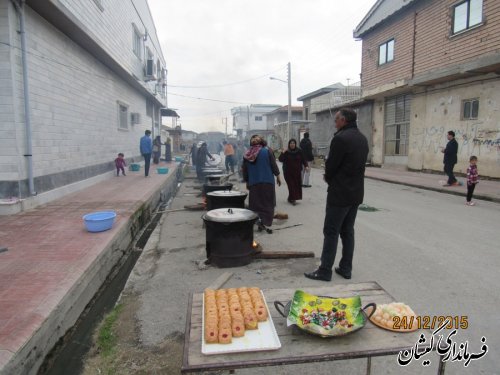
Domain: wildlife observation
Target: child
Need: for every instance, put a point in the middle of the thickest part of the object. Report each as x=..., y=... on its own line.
x=472, y=180
x=120, y=164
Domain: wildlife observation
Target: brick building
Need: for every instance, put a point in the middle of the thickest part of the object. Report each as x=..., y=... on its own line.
x=431, y=66
x=94, y=75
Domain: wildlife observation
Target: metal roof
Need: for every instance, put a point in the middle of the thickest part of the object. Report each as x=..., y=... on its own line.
x=379, y=12
x=321, y=91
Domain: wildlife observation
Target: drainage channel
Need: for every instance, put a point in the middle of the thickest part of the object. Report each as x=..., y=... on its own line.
x=68, y=354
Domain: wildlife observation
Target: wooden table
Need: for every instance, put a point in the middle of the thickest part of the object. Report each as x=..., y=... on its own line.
x=298, y=346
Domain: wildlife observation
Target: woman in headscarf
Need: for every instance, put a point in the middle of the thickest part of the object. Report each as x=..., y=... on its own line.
x=157, y=149
x=293, y=159
x=168, y=150
x=259, y=169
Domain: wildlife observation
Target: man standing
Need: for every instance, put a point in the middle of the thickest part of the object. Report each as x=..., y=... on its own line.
x=306, y=147
x=344, y=174
x=229, y=156
x=146, y=147
x=450, y=158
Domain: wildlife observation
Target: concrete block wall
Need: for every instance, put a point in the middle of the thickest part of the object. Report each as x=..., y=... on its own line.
x=74, y=110
x=112, y=27
x=437, y=112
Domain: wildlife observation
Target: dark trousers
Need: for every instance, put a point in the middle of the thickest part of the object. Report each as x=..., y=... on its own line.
x=118, y=169
x=470, y=191
x=229, y=163
x=338, y=221
x=147, y=162
x=448, y=169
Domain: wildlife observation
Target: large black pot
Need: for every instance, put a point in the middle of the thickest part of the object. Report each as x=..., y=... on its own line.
x=229, y=236
x=214, y=179
x=225, y=199
x=209, y=188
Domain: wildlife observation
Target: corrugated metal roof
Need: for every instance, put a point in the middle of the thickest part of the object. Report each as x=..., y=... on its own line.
x=321, y=91
x=379, y=12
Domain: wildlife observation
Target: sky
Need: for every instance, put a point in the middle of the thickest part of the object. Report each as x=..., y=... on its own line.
x=226, y=50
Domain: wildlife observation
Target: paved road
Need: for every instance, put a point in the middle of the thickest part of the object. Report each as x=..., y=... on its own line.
x=426, y=248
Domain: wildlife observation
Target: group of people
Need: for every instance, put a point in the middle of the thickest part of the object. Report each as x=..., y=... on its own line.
x=450, y=159
x=344, y=175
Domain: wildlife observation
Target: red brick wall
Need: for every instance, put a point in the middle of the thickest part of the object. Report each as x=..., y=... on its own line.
x=434, y=47
x=373, y=74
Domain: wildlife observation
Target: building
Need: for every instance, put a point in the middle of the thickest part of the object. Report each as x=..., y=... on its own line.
x=89, y=85
x=277, y=120
x=248, y=119
x=433, y=66
x=320, y=107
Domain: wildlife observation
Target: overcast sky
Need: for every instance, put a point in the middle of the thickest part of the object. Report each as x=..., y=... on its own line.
x=220, y=43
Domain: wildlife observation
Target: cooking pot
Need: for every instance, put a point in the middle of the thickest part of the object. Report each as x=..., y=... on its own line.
x=225, y=199
x=229, y=236
x=209, y=188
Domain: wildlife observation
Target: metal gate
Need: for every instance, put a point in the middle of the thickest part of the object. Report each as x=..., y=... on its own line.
x=397, y=125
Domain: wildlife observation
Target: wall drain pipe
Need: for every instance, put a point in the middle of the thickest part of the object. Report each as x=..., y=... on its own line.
x=27, y=119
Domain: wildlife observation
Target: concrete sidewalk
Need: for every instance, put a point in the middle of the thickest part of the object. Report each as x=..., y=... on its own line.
x=53, y=266
x=486, y=189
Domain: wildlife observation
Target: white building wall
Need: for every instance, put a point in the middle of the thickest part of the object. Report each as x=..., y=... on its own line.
x=112, y=27
x=73, y=96
x=74, y=107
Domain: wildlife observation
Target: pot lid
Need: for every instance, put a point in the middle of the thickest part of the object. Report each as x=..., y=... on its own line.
x=229, y=215
x=217, y=176
x=226, y=193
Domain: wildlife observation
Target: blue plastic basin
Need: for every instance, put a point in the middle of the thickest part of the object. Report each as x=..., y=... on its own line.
x=99, y=221
x=162, y=170
x=179, y=158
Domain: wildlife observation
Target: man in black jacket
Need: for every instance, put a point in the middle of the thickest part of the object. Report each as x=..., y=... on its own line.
x=344, y=173
x=450, y=158
x=306, y=147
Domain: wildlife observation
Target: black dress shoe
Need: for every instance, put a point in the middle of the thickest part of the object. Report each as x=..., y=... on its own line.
x=343, y=274
x=318, y=275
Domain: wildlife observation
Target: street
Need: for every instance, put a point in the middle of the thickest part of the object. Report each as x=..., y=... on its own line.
x=426, y=249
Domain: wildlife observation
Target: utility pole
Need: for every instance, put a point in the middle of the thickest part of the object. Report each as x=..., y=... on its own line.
x=224, y=120
x=289, y=80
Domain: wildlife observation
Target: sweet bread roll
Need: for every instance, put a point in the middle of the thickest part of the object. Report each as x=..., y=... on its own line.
x=225, y=335
x=211, y=334
x=238, y=327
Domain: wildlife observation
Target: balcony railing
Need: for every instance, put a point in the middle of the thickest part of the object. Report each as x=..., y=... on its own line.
x=336, y=98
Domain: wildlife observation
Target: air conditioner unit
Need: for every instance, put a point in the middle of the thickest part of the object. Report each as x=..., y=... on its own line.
x=163, y=74
x=135, y=118
x=150, y=70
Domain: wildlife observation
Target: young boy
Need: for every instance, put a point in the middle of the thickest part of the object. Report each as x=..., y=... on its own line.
x=472, y=180
x=120, y=164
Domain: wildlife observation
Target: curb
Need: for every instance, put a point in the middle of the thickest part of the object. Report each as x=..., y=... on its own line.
x=436, y=189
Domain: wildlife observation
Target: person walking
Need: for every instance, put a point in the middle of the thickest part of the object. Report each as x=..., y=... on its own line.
x=344, y=174
x=146, y=148
x=201, y=160
x=259, y=169
x=450, y=159
x=229, y=156
x=239, y=151
x=194, y=149
x=120, y=164
x=157, y=149
x=293, y=161
x=306, y=147
x=472, y=180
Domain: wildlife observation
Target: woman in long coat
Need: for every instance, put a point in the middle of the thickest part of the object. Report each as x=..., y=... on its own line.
x=259, y=169
x=293, y=160
x=157, y=149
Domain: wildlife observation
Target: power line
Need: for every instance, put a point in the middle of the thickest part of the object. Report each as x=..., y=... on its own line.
x=212, y=100
x=228, y=84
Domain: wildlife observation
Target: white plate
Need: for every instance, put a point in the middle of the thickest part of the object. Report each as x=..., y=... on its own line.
x=264, y=338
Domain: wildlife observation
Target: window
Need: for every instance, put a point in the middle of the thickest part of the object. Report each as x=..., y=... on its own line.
x=137, y=43
x=258, y=118
x=122, y=116
x=386, y=52
x=397, y=125
x=470, y=109
x=467, y=14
